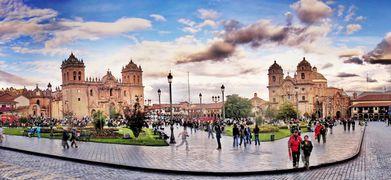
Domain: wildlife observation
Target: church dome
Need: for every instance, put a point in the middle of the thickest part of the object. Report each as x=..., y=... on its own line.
x=72, y=61
x=131, y=66
x=108, y=77
x=275, y=67
x=304, y=65
x=319, y=76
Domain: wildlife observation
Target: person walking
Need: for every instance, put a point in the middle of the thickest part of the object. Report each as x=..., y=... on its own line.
x=349, y=123
x=306, y=147
x=242, y=136
x=388, y=121
x=320, y=130
x=256, y=135
x=184, y=136
x=39, y=132
x=294, y=148
x=210, y=130
x=218, y=136
x=235, y=134
x=331, y=125
x=65, y=137
x=344, y=124
x=73, y=137
x=353, y=124
x=248, y=134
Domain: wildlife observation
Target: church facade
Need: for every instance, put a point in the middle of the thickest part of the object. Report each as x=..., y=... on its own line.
x=307, y=91
x=82, y=96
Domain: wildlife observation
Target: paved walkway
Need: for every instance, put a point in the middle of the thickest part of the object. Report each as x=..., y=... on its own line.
x=202, y=155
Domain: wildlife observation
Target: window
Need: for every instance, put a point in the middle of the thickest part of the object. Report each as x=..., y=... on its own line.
x=274, y=78
x=274, y=99
x=91, y=92
x=79, y=75
x=273, y=91
x=78, y=99
x=302, y=76
x=125, y=93
x=303, y=98
x=67, y=76
x=134, y=79
x=38, y=102
x=74, y=75
x=355, y=108
x=111, y=92
x=302, y=89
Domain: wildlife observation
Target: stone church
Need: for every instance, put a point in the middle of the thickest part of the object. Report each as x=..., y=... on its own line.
x=307, y=91
x=82, y=96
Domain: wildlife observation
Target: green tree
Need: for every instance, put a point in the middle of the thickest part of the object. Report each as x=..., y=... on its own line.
x=237, y=107
x=136, y=119
x=286, y=111
x=114, y=114
x=270, y=113
x=99, y=119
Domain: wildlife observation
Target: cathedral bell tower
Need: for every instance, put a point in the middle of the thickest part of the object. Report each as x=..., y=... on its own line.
x=276, y=77
x=73, y=71
x=132, y=82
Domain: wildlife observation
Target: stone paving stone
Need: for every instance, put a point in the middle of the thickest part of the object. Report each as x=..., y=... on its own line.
x=202, y=155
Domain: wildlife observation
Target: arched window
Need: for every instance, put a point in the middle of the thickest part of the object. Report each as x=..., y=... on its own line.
x=79, y=75
x=134, y=79
x=125, y=93
x=67, y=76
x=74, y=75
x=303, y=98
x=111, y=92
x=274, y=78
x=302, y=76
x=38, y=102
x=91, y=92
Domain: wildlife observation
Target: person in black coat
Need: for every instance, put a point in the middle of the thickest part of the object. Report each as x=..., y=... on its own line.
x=235, y=134
x=306, y=147
x=65, y=137
x=218, y=136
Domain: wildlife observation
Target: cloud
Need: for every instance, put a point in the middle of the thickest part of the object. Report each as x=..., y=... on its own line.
x=193, y=27
x=258, y=34
x=327, y=65
x=350, y=13
x=382, y=53
x=346, y=75
x=341, y=8
x=360, y=18
x=14, y=79
x=92, y=30
x=347, y=52
x=311, y=11
x=354, y=60
x=207, y=14
x=371, y=80
x=158, y=17
x=351, y=28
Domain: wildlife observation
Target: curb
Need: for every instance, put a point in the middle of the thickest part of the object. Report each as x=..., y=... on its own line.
x=194, y=173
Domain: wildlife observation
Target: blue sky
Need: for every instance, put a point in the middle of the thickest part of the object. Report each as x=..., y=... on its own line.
x=36, y=35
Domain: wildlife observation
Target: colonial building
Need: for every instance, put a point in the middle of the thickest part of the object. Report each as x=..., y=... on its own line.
x=307, y=90
x=371, y=105
x=259, y=105
x=79, y=96
x=83, y=96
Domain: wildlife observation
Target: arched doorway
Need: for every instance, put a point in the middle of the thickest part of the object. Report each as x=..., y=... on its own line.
x=338, y=114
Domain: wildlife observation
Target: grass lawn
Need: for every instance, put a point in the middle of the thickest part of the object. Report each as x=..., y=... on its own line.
x=145, y=139
x=264, y=137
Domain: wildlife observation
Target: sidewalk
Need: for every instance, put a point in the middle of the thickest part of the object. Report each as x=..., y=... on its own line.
x=202, y=157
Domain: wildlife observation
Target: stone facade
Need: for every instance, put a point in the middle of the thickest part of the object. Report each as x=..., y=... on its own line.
x=371, y=105
x=83, y=96
x=307, y=90
x=80, y=96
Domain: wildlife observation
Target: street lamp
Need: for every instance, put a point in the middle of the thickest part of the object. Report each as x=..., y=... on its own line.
x=159, y=92
x=200, y=95
x=172, y=137
x=222, y=94
x=317, y=107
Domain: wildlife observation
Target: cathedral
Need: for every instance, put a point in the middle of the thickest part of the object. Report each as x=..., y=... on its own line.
x=307, y=91
x=79, y=95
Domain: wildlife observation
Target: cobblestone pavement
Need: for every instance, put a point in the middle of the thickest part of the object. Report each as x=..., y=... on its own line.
x=202, y=155
x=372, y=163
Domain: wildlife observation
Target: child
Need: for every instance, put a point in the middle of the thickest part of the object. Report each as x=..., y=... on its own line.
x=306, y=147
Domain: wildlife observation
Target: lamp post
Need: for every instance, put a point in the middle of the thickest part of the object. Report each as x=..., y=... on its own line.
x=200, y=95
x=159, y=92
x=222, y=94
x=317, y=107
x=172, y=137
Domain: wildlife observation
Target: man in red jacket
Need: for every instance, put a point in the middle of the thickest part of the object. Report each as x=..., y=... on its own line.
x=294, y=148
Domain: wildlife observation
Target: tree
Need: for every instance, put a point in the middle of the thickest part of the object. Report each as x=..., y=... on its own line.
x=286, y=111
x=135, y=119
x=99, y=119
x=237, y=107
x=270, y=113
x=114, y=114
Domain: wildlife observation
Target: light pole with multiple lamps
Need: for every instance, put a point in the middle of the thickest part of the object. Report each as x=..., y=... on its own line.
x=222, y=94
x=172, y=137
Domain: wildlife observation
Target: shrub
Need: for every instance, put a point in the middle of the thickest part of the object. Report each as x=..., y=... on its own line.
x=268, y=128
x=99, y=120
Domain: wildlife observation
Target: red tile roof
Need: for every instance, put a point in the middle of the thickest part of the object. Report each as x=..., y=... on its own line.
x=374, y=97
x=6, y=98
x=378, y=104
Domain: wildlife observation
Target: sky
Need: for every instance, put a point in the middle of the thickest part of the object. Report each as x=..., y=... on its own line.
x=217, y=42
